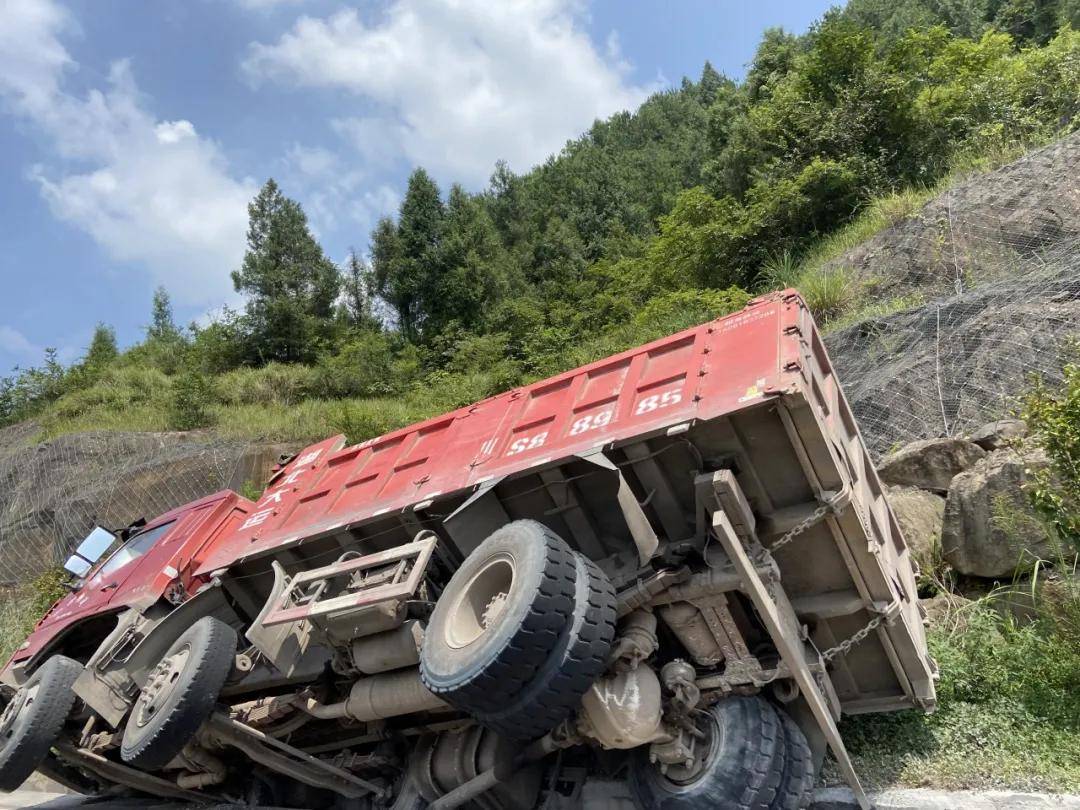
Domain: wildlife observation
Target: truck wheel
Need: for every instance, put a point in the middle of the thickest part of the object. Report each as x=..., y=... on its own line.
x=577, y=661
x=179, y=694
x=740, y=755
x=499, y=617
x=33, y=719
x=798, y=780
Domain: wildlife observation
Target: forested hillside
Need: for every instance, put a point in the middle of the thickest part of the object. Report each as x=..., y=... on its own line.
x=650, y=221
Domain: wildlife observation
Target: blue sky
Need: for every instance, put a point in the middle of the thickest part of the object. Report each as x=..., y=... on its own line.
x=133, y=133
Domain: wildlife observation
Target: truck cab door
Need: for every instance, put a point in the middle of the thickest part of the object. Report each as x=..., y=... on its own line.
x=158, y=562
x=111, y=577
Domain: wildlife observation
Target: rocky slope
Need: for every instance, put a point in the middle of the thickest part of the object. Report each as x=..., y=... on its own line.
x=995, y=264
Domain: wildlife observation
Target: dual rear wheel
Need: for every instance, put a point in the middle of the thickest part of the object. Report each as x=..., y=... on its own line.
x=521, y=632
x=752, y=756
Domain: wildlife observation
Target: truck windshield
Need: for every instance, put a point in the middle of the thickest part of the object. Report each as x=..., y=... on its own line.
x=134, y=548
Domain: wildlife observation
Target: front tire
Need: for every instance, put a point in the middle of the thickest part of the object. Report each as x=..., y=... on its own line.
x=179, y=694
x=739, y=769
x=34, y=718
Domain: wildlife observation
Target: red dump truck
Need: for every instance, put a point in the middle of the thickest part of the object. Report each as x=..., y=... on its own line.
x=655, y=581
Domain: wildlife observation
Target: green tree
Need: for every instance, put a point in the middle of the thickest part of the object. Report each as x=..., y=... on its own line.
x=291, y=285
x=405, y=257
x=357, y=292
x=102, y=349
x=773, y=59
x=162, y=326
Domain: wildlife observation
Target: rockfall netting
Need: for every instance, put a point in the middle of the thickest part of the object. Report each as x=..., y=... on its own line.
x=986, y=278
x=53, y=493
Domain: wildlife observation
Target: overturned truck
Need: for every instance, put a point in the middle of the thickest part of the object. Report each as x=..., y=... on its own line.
x=658, y=581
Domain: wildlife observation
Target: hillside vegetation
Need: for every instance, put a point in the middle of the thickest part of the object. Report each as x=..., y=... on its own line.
x=651, y=221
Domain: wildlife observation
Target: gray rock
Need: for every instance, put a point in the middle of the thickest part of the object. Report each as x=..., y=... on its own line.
x=919, y=514
x=985, y=279
x=929, y=463
x=989, y=528
x=999, y=434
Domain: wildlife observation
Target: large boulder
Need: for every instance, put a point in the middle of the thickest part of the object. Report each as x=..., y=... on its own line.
x=929, y=463
x=995, y=435
x=990, y=529
x=919, y=514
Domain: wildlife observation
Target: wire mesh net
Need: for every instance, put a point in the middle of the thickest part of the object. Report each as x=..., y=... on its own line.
x=977, y=292
x=985, y=279
x=53, y=493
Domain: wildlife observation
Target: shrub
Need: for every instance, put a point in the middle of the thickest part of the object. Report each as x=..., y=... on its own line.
x=681, y=309
x=275, y=383
x=829, y=292
x=363, y=367
x=22, y=607
x=360, y=420
x=1053, y=416
x=190, y=405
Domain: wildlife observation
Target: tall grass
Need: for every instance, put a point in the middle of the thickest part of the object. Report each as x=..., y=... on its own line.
x=22, y=607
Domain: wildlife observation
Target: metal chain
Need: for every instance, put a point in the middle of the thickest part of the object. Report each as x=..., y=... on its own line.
x=812, y=519
x=857, y=638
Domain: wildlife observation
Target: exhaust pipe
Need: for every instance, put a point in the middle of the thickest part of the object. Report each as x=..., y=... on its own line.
x=376, y=698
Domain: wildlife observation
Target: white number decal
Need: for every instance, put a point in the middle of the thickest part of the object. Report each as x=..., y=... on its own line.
x=527, y=443
x=657, y=401
x=590, y=422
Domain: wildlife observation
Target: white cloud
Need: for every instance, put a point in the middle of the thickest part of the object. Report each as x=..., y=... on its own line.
x=174, y=131
x=15, y=343
x=457, y=84
x=334, y=192
x=151, y=192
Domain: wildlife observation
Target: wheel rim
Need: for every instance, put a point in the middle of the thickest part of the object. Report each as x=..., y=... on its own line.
x=160, y=685
x=703, y=753
x=9, y=719
x=481, y=602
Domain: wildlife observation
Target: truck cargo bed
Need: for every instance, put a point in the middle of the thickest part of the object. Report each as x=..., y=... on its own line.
x=584, y=452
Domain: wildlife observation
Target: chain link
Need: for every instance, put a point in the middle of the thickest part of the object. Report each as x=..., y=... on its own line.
x=811, y=520
x=846, y=645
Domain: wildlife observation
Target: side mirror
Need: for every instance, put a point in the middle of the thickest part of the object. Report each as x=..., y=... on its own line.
x=95, y=545
x=77, y=565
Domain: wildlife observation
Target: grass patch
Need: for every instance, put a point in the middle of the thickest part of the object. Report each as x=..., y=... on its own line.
x=1009, y=707
x=20, y=608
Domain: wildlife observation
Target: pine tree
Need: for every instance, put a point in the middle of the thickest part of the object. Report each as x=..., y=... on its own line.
x=710, y=84
x=405, y=257
x=291, y=285
x=356, y=289
x=102, y=349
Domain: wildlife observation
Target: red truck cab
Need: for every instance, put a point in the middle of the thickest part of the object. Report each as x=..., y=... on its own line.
x=158, y=561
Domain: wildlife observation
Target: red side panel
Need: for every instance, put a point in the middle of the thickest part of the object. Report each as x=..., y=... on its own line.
x=702, y=372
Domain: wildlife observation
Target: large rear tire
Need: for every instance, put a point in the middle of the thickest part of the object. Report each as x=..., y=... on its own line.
x=179, y=694
x=797, y=783
x=33, y=719
x=577, y=661
x=499, y=618
x=738, y=767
